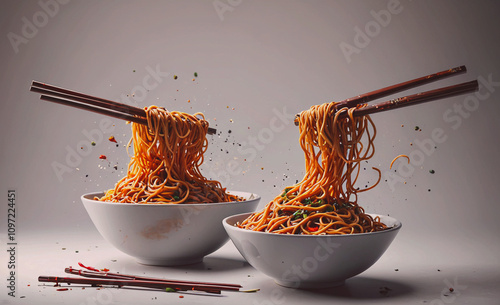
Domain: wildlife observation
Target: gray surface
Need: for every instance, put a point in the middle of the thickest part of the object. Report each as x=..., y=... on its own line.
x=264, y=59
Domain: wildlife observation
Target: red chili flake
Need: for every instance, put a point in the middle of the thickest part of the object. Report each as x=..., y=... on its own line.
x=88, y=267
x=112, y=139
x=62, y=289
x=103, y=157
x=181, y=297
x=105, y=269
x=313, y=229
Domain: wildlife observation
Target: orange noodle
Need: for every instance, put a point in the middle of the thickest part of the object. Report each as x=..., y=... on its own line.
x=325, y=201
x=165, y=166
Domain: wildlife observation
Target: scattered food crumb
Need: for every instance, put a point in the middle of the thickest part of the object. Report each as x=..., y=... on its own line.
x=451, y=289
x=195, y=74
x=112, y=139
x=181, y=297
x=432, y=171
x=175, y=76
x=92, y=143
x=396, y=269
x=62, y=289
x=102, y=157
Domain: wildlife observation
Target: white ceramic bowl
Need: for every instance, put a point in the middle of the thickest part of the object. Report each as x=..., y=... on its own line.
x=302, y=261
x=165, y=234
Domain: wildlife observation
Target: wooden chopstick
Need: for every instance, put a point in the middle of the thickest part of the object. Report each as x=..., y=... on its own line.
x=386, y=91
x=78, y=96
x=136, y=283
x=91, y=108
x=409, y=100
x=418, y=98
x=91, y=103
x=110, y=275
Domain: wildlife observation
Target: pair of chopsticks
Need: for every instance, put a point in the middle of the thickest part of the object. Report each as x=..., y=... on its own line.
x=409, y=100
x=91, y=103
x=100, y=278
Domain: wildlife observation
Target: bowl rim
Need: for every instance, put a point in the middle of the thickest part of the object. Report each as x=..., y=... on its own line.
x=397, y=225
x=88, y=197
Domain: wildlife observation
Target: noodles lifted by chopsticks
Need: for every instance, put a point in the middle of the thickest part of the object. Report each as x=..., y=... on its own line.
x=165, y=166
x=325, y=201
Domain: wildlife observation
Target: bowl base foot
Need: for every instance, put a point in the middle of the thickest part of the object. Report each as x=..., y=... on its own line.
x=310, y=285
x=170, y=262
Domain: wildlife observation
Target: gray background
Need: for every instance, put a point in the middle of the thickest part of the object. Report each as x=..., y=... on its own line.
x=267, y=60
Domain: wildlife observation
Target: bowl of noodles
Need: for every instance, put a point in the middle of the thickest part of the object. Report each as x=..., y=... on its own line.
x=310, y=261
x=314, y=234
x=165, y=234
x=164, y=211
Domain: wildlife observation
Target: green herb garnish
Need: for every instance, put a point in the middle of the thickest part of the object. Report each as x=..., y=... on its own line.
x=285, y=191
x=298, y=214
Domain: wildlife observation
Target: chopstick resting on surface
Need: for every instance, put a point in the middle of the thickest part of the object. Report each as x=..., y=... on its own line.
x=110, y=275
x=409, y=100
x=98, y=278
x=136, y=283
x=87, y=102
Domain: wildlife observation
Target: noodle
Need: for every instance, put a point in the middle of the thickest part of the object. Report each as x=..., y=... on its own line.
x=400, y=156
x=165, y=166
x=325, y=201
